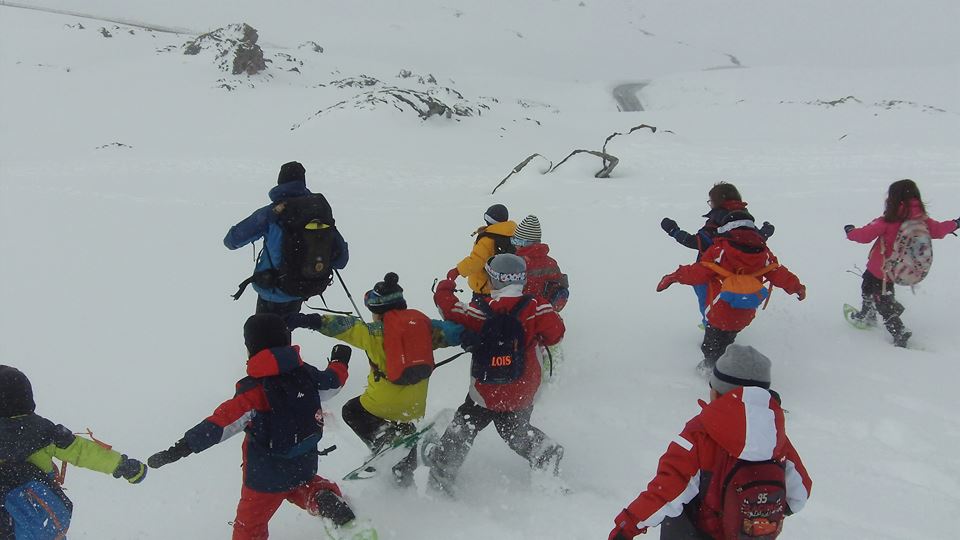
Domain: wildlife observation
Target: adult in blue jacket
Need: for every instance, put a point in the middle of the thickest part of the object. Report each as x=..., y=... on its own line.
x=263, y=223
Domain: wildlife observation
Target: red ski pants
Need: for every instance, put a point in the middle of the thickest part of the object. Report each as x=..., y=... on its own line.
x=256, y=507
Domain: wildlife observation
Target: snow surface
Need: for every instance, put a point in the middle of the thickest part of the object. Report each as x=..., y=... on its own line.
x=115, y=281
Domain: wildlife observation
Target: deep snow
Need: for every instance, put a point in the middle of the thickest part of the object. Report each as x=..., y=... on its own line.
x=115, y=287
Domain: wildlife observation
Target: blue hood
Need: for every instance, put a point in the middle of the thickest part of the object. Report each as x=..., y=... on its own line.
x=289, y=190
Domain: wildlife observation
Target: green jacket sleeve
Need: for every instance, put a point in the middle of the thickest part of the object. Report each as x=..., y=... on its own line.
x=89, y=455
x=350, y=330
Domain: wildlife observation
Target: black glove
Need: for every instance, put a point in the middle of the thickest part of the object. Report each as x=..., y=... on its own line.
x=848, y=228
x=767, y=229
x=303, y=320
x=131, y=470
x=165, y=457
x=957, y=221
x=669, y=226
x=341, y=353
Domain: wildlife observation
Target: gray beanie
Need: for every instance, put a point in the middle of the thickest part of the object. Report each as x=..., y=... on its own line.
x=740, y=366
x=506, y=269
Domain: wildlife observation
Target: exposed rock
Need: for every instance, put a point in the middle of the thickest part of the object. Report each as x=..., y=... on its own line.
x=105, y=33
x=312, y=45
x=234, y=48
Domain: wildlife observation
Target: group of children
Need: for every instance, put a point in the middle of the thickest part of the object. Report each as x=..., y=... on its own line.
x=509, y=327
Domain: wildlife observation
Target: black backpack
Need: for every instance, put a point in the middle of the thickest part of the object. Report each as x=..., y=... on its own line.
x=501, y=243
x=498, y=350
x=309, y=234
x=294, y=425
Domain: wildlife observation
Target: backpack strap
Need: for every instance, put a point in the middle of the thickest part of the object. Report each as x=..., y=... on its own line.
x=717, y=268
x=765, y=270
x=524, y=300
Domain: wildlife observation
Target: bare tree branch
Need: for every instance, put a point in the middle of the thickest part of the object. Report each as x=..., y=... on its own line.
x=519, y=168
x=609, y=162
x=635, y=128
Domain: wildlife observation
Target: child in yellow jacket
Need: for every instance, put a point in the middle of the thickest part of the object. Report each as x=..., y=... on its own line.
x=386, y=409
x=492, y=239
x=31, y=502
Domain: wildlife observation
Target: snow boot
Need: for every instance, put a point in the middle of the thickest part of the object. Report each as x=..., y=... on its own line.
x=901, y=339
x=333, y=507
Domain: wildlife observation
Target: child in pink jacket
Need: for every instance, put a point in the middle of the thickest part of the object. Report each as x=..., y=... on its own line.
x=903, y=203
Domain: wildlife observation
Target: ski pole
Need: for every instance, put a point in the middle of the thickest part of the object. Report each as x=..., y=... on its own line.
x=448, y=360
x=346, y=290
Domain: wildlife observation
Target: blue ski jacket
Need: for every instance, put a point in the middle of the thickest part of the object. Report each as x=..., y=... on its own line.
x=263, y=224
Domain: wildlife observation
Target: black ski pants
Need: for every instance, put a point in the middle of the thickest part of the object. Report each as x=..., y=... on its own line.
x=513, y=426
x=376, y=432
x=715, y=342
x=681, y=528
x=880, y=298
x=278, y=308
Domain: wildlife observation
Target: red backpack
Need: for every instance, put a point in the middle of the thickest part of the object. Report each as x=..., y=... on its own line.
x=746, y=500
x=408, y=343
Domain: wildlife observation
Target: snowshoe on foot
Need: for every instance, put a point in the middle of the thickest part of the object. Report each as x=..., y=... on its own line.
x=901, y=340
x=358, y=529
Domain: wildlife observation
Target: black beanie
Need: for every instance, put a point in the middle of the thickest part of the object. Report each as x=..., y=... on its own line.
x=292, y=172
x=265, y=331
x=385, y=295
x=16, y=394
x=496, y=214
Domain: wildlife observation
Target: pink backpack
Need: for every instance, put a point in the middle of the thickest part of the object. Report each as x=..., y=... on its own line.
x=909, y=260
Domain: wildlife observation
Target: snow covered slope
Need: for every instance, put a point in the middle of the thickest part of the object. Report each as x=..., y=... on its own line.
x=123, y=162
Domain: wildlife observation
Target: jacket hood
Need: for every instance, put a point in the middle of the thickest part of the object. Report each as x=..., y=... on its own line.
x=275, y=361
x=914, y=211
x=504, y=228
x=717, y=214
x=534, y=250
x=747, y=422
x=288, y=190
x=742, y=261
x=22, y=436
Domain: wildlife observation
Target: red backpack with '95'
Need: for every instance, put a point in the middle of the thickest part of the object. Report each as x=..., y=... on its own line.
x=747, y=498
x=408, y=343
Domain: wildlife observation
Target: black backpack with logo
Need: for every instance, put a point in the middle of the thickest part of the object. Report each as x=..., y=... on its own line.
x=498, y=350
x=501, y=243
x=309, y=238
x=294, y=424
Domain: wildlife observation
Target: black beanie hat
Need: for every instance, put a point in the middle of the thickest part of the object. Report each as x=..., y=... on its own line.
x=292, y=172
x=496, y=214
x=16, y=394
x=385, y=295
x=265, y=331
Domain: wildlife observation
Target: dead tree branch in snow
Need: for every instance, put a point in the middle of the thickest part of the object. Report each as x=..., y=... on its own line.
x=519, y=168
x=609, y=162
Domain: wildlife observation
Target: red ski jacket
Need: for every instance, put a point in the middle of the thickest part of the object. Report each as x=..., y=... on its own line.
x=541, y=325
x=745, y=423
x=720, y=314
x=543, y=272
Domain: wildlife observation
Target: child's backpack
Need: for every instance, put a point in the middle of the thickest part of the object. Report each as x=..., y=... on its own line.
x=501, y=243
x=294, y=424
x=307, y=248
x=39, y=510
x=742, y=291
x=408, y=344
x=498, y=351
x=911, y=256
x=750, y=502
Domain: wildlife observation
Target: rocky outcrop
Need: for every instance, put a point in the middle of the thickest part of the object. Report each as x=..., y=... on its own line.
x=234, y=49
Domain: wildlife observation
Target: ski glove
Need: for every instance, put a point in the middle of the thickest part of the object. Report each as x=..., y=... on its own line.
x=130, y=469
x=453, y=273
x=767, y=229
x=304, y=320
x=626, y=527
x=667, y=281
x=341, y=353
x=848, y=228
x=802, y=293
x=446, y=285
x=165, y=457
x=669, y=226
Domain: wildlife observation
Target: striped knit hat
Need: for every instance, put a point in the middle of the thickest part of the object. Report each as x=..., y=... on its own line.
x=528, y=232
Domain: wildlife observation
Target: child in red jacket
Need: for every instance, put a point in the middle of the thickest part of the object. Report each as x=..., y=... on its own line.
x=278, y=406
x=545, y=281
x=903, y=203
x=739, y=249
x=507, y=403
x=724, y=198
x=697, y=492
